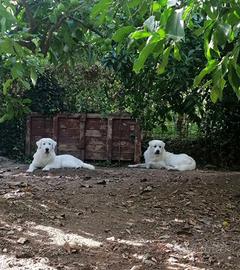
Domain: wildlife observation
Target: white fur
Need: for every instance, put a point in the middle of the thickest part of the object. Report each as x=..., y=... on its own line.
x=157, y=157
x=46, y=158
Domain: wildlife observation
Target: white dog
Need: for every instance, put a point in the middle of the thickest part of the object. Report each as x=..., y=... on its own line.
x=46, y=158
x=157, y=157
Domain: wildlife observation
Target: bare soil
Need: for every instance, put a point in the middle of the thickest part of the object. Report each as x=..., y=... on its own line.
x=119, y=219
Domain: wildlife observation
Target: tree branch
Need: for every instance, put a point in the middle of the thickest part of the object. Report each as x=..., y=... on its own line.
x=29, y=16
x=28, y=44
x=88, y=26
x=46, y=43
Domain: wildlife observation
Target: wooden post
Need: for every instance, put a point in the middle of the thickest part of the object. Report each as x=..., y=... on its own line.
x=28, y=142
x=120, y=140
x=82, y=127
x=137, y=144
x=55, y=130
x=109, y=139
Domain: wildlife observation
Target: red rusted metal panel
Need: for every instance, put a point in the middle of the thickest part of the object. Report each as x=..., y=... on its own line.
x=88, y=136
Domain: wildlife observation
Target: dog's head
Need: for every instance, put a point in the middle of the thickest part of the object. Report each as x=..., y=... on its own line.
x=156, y=147
x=46, y=145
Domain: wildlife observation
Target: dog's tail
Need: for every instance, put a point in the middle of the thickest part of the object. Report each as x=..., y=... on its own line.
x=87, y=166
x=141, y=165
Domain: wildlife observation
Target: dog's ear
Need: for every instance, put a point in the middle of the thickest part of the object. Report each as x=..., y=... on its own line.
x=163, y=144
x=39, y=143
x=54, y=144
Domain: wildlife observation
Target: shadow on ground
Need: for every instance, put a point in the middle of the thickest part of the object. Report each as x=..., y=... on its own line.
x=119, y=219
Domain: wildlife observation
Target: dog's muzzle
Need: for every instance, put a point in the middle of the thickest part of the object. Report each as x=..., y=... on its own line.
x=47, y=150
x=157, y=152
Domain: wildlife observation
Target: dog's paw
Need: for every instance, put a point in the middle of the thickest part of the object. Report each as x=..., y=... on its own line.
x=29, y=171
x=131, y=166
x=171, y=168
x=45, y=169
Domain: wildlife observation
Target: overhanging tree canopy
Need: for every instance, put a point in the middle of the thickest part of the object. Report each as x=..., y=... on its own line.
x=36, y=33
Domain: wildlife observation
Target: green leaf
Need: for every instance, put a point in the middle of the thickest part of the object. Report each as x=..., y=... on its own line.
x=74, y=2
x=6, y=46
x=198, y=32
x=187, y=11
x=133, y=3
x=211, y=10
x=143, y=8
x=33, y=76
x=232, y=19
x=5, y=117
x=175, y=25
x=161, y=33
x=158, y=50
x=122, y=33
x=156, y=6
x=53, y=18
x=26, y=101
x=237, y=67
x=218, y=85
x=212, y=64
x=161, y=67
x=207, y=43
x=163, y=3
x=100, y=8
x=18, y=49
x=61, y=7
x=140, y=34
x=145, y=52
x=17, y=71
x=165, y=16
x=26, y=84
x=234, y=80
x=176, y=52
x=9, y=18
x=222, y=33
x=6, y=86
x=214, y=95
x=3, y=24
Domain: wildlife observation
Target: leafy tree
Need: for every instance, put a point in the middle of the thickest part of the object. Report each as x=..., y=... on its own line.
x=47, y=96
x=157, y=29
x=89, y=88
x=153, y=98
x=35, y=34
x=38, y=33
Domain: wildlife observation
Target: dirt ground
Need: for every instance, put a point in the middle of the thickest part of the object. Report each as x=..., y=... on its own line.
x=119, y=219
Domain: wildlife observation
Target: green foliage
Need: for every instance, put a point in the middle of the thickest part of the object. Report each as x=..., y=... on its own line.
x=12, y=143
x=162, y=24
x=153, y=98
x=47, y=96
x=38, y=34
x=221, y=127
x=89, y=89
x=34, y=35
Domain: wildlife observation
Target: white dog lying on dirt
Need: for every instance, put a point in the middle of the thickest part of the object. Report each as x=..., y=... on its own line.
x=156, y=157
x=46, y=158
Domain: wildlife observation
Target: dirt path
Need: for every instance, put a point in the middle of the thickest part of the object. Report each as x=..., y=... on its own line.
x=119, y=219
